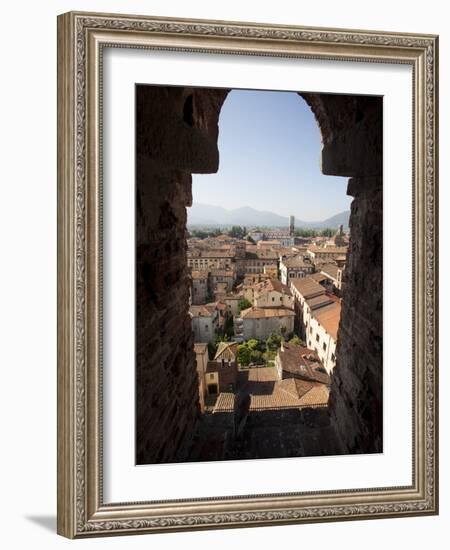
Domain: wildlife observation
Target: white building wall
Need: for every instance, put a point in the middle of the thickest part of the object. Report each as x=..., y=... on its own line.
x=263, y=328
x=273, y=298
x=317, y=337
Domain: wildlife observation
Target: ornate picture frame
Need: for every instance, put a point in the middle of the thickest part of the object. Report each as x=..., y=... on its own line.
x=82, y=38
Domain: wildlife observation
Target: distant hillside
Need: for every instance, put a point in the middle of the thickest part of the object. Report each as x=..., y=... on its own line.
x=335, y=221
x=208, y=215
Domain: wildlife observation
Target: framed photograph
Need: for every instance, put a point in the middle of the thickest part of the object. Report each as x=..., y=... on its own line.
x=247, y=288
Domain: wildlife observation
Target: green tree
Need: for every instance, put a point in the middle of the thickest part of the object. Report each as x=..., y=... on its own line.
x=273, y=342
x=296, y=341
x=302, y=232
x=327, y=232
x=229, y=327
x=243, y=304
x=243, y=355
x=269, y=356
x=237, y=232
x=250, y=240
x=199, y=234
x=256, y=356
x=252, y=344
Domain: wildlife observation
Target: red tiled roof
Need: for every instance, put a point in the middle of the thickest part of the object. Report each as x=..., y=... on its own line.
x=329, y=318
x=199, y=274
x=303, y=363
x=226, y=350
x=266, y=312
x=307, y=287
x=200, y=311
x=286, y=394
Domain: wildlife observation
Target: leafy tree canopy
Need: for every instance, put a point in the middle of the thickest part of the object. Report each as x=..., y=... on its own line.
x=296, y=341
x=273, y=342
x=244, y=304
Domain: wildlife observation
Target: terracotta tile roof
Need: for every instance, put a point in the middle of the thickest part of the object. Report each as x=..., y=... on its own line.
x=303, y=363
x=224, y=403
x=307, y=287
x=261, y=374
x=328, y=249
x=286, y=394
x=331, y=270
x=273, y=284
x=222, y=273
x=258, y=254
x=213, y=306
x=200, y=311
x=217, y=254
x=199, y=274
x=268, y=243
x=226, y=350
x=318, y=277
x=316, y=396
x=296, y=261
x=319, y=301
x=266, y=312
x=329, y=318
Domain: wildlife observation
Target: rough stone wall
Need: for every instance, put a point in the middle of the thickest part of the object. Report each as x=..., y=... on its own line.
x=356, y=396
x=353, y=147
x=176, y=132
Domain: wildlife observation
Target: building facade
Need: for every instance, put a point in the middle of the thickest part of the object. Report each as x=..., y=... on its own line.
x=260, y=323
x=295, y=267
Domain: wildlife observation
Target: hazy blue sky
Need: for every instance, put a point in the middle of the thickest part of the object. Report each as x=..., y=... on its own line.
x=269, y=145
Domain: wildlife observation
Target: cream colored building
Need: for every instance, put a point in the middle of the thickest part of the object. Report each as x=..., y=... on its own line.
x=326, y=252
x=294, y=268
x=317, y=319
x=322, y=330
x=272, y=293
x=201, y=356
x=260, y=323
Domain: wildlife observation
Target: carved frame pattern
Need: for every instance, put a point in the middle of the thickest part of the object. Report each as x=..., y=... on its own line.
x=80, y=508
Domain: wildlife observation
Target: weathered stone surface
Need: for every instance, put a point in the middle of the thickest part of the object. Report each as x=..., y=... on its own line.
x=357, y=389
x=177, y=131
x=176, y=135
x=352, y=130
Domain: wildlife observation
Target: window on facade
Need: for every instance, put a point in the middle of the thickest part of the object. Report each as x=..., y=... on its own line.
x=324, y=346
x=317, y=337
x=333, y=357
x=206, y=328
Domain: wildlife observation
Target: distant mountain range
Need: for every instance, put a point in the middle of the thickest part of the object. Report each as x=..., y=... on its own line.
x=208, y=215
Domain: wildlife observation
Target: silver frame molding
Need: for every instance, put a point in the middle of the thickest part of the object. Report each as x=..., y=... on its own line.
x=81, y=510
